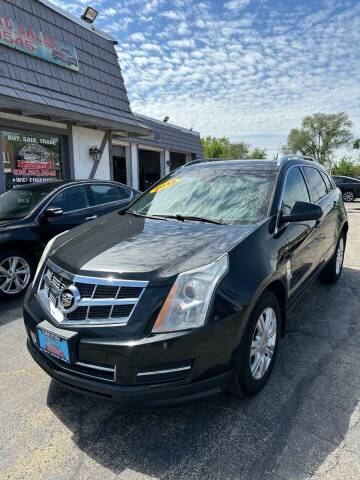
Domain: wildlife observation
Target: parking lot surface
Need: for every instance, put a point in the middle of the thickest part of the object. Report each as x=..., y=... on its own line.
x=304, y=424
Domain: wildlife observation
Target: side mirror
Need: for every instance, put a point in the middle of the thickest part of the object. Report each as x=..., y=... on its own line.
x=303, y=211
x=53, y=212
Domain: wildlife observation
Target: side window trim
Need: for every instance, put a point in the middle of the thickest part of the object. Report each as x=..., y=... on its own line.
x=299, y=167
x=306, y=181
x=92, y=197
x=63, y=190
x=327, y=181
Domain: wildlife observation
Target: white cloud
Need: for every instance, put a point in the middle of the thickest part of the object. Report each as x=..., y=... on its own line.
x=236, y=4
x=256, y=73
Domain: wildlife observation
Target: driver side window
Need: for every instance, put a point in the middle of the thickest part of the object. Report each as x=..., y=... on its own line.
x=295, y=190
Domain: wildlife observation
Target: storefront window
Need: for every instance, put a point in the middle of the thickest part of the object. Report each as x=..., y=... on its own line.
x=30, y=158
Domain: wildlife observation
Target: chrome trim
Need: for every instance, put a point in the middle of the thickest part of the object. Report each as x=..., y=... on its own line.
x=102, y=302
x=159, y=372
x=114, y=282
x=60, y=316
x=88, y=365
x=74, y=372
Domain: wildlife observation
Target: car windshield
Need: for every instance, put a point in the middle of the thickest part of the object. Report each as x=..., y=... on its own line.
x=225, y=195
x=19, y=202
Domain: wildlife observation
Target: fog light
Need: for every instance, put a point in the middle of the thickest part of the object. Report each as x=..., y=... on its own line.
x=33, y=337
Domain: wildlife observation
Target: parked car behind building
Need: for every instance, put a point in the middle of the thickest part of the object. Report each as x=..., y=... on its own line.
x=350, y=187
x=32, y=214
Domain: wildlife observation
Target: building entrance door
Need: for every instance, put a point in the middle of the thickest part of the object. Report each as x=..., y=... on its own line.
x=177, y=160
x=119, y=164
x=149, y=168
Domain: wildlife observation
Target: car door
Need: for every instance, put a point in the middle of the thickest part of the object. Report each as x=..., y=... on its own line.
x=326, y=226
x=300, y=256
x=108, y=197
x=75, y=204
x=334, y=201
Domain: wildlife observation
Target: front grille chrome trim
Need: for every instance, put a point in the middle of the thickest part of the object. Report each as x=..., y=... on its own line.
x=96, y=311
x=162, y=372
x=110, y=281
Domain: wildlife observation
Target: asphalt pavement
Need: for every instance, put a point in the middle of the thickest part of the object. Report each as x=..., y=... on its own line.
x=304, y=424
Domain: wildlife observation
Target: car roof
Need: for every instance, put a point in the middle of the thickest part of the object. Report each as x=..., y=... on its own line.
x=248, y=164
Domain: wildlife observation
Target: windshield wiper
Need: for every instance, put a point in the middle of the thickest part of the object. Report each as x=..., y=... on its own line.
x=182, y=218
x=136, y=214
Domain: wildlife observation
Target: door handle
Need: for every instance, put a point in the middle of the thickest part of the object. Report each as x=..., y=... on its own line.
x=93, y=217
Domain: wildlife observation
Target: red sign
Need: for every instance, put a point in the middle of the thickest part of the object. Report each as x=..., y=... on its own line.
x=29, y=40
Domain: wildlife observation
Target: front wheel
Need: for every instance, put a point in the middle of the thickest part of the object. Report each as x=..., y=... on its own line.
x=257, y=352
x=348, y=196
x=16, y=271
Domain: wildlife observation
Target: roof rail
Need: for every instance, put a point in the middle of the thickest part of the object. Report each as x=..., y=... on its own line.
x=296, y=157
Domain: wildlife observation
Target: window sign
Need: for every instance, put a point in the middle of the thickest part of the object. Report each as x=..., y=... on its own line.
x=30, y=157
x=30, y=40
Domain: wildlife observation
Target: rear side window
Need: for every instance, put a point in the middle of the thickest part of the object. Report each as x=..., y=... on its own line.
x=316, y=184
x=71, y=199
x=327, y=181
x=294, y=190
x=338, y=180
x=108, y=193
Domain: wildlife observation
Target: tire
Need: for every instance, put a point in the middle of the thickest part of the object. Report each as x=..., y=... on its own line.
x=348, y=196
x=13, y=285
x=246, y=379
x=331, y=273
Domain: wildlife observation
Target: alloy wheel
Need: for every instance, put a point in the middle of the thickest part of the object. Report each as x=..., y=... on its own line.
x=14, y=275
x=263, y=343
x=339, y=256
x=348, y=196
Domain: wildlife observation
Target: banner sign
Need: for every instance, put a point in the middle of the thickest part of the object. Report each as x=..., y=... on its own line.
x=30, y=158
x=29, y=40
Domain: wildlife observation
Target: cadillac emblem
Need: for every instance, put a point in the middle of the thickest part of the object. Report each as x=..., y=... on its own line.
x=69, y=299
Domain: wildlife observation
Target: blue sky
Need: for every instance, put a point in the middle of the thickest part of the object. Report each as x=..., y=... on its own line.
x=246, y=69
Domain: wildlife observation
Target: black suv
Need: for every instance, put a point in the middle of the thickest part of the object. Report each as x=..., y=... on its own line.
x=350, y=187
x=31, y=214
x=185, y=293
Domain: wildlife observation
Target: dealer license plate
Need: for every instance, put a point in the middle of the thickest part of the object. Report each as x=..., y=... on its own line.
x=54, y=345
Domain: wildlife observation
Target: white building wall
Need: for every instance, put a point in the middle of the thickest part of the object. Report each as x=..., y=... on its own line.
x=82, y=140
x=134, y=152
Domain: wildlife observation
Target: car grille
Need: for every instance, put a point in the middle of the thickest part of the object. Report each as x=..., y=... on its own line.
x=102, y=301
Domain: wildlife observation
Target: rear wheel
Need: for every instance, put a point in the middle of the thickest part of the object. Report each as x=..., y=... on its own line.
x=16, y=271
x=331, y=273
x=257, y=352
x=348, y=196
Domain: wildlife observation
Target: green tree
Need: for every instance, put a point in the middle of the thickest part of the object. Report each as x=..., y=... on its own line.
x=320, y=135
x=216, y=147
x=239, y=150
x=258, y=154
x=222, y=147
x=356, y=144
x=346, y=166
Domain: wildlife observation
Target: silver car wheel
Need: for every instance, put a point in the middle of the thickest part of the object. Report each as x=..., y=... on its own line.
x=348, y=196
x=14, y=275
x=340, y=256
x=263, y=343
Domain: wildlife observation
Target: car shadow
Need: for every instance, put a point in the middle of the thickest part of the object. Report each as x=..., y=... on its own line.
x=290, y=430
x=10, y=310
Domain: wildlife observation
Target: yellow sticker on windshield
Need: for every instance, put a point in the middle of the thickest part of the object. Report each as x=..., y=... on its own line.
x=164, y=185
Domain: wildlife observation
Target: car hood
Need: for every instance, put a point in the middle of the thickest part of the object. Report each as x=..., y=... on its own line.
x=143, y=249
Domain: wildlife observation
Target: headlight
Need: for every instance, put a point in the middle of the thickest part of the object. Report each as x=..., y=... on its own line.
x=46, y=253
x=189, y=299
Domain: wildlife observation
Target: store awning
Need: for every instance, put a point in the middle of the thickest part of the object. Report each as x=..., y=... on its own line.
x=58, y=107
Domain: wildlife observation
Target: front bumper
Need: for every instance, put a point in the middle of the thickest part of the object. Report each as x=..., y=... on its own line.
x=208, y=351
x=168, y=394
